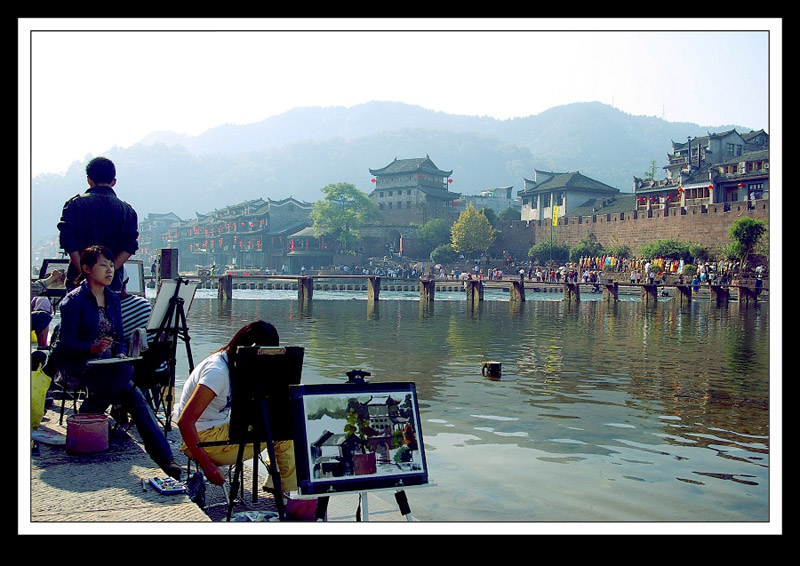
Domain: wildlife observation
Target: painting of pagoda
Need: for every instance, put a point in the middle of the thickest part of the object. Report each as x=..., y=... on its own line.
x=362, y=435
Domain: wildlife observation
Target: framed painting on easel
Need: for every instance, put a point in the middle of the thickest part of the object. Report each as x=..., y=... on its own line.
x=357, y=437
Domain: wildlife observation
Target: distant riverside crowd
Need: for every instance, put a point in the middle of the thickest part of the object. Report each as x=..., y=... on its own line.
x=587, y=270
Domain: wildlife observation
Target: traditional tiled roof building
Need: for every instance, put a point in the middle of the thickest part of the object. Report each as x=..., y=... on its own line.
x=724, y=167
x=254, y=233
x=497, y=198
x=567, y=191
x=413, y=191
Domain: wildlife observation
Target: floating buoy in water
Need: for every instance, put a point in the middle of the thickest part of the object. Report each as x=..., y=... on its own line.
x=492, y=370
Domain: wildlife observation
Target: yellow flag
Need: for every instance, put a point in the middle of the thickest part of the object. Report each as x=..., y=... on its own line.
x=555, y=216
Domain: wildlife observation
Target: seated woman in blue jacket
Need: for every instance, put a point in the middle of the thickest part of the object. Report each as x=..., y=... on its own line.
x=91, y=329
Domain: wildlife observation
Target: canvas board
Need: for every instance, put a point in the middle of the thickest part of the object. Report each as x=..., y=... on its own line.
x=357, y=437
x=134, y=272
x=168, y=288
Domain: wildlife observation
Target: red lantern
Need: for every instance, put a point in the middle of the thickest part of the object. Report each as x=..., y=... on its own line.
x=449, y=180
x=372, y=180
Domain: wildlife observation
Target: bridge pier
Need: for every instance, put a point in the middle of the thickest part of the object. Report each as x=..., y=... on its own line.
x=748, y=295
x=684, y=294
x=649, y=294
x=516, y=292
x=474, y=291
x=719, y=295
x=305, y=289
x=373, y=289
x=427, y=290
x=225, y=287
x=572, y=292
x=611, y=291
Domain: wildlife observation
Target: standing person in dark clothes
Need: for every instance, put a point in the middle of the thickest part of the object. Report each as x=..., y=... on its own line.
x=98, y=217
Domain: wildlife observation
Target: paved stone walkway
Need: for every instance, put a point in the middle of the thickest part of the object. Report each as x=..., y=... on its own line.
x=108, y=487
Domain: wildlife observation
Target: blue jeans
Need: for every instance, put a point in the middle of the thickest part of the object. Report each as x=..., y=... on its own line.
x=111, y=384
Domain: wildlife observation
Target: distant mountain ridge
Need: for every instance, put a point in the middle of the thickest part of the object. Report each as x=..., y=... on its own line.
x=300, y=151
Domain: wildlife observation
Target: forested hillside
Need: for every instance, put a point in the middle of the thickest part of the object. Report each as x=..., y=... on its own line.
x=299, y=152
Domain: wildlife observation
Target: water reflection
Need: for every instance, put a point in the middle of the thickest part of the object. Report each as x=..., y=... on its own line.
x=605, y=411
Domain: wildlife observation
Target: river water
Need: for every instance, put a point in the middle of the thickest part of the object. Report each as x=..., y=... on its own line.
x=620, y=413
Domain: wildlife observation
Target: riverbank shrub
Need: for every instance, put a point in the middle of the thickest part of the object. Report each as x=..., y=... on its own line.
x=444, y=253
x=545, y=252
x=668, y=249
x=586, y=247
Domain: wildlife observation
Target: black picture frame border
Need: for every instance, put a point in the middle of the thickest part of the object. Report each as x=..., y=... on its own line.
x=308, y=485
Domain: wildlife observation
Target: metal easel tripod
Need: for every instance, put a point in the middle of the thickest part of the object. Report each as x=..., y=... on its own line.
x=172, y=328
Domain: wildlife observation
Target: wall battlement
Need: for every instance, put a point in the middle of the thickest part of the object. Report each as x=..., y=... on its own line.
x=708, y=225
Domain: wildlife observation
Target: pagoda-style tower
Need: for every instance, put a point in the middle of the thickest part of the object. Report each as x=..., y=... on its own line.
x=413, y=191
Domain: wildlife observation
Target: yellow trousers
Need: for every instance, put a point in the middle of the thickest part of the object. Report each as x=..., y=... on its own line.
x=225, y=454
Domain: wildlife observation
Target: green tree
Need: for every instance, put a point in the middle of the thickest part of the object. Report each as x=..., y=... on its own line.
x=472, y=232
x=547, y=251
x=619, y=250
x=510, y=214
x=746, y=233
x=586, y=247
x=356, y=425
x=698, y=252
x=650, y=174
x=671, y=249
x=490, y=215
x=342, y=213
x=433, y=233
x=444, y=254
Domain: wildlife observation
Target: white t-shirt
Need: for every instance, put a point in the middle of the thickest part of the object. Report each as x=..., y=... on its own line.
x=213, y=373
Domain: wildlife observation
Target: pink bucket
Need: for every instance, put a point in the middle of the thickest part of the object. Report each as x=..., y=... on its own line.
x=87, y=433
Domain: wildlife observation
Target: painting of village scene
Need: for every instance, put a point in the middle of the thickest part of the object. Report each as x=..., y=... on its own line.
x=359, y=437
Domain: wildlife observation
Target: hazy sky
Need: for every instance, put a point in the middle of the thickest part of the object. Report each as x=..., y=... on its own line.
x=86, y=90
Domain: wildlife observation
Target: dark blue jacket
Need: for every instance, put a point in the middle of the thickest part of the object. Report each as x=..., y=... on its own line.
x=79, y=322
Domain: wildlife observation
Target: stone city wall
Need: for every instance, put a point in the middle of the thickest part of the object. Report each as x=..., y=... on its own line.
x=708, y=225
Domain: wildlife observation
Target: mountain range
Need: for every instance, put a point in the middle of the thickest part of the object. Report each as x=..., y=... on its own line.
x=296, y=153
